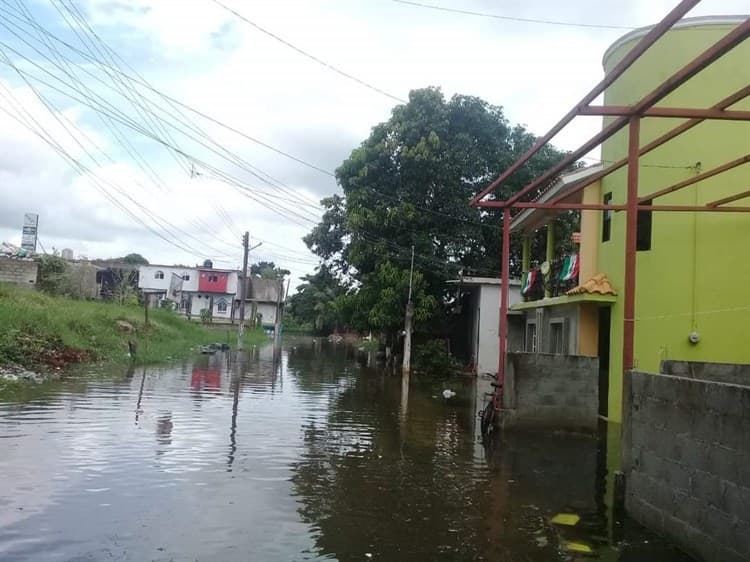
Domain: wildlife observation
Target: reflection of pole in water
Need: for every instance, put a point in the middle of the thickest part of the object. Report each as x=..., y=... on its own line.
x=404, y=397
x=140, y=396
x=233, y=425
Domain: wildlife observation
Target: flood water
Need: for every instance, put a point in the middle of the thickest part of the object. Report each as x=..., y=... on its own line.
x=302, y=454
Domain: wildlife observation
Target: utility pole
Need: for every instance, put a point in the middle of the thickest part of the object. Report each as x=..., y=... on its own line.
x=243, y=288
x=146, y=302
x=406, y=367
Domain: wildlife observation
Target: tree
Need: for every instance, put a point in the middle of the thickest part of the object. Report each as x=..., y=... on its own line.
x=268, y=270
x=134, y=259
x=321, y=301
x=409, y=183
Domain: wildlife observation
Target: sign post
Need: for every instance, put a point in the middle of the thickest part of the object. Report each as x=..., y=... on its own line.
x=29, y=234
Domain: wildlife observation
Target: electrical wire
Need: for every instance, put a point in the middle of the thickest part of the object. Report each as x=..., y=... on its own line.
x=308, y=55
x=511, y=18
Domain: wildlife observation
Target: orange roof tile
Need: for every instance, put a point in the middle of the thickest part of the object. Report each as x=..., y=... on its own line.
x=597, y=284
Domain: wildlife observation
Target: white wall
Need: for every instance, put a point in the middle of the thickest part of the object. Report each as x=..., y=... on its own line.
x=488, y=309
x=148, y=282
x=268, y=310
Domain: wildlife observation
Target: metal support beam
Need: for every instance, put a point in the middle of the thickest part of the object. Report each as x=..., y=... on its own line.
x=710, y=55
x=694, y=209
x=641, y=47
x=672, y=112
x=504, y=291
x=558, y=206
x=656, y=143
x=631, y=229
x=695, y=179
x=735, y=197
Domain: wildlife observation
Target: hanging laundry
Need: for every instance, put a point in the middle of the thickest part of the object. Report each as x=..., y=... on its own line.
x=528, y=281
x=570, y=268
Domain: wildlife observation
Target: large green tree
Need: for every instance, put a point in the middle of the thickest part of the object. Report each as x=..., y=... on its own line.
x=408, y=184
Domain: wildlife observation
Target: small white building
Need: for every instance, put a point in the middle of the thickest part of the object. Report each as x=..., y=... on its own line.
x=157, y=279
x=479, y=299
x=265, y=298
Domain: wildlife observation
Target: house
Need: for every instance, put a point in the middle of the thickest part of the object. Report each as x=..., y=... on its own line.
x=265, y=299
x=215, y=292
x=193, y=289
x=173, y=282
x=479, y=322
x=690, y=266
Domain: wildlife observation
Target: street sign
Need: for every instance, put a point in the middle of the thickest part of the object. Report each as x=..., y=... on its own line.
x=29, y=232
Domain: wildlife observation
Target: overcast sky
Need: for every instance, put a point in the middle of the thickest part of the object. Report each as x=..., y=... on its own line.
x=118, y=189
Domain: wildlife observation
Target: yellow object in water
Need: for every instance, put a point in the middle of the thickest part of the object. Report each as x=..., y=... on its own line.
x=569, y=519
x=578, y=547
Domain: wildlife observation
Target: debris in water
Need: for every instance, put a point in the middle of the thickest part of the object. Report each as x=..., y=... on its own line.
x=541, y=542
x=568, y=519
x=577, y=547
x=448, y=393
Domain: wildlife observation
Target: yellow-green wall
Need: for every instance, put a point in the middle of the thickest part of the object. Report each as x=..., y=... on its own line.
x=696, y=277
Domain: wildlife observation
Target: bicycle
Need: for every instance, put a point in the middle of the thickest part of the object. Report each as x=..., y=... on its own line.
x=489, y=413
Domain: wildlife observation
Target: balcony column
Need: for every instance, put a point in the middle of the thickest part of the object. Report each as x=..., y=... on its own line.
x=525, y=255
x=549, y=256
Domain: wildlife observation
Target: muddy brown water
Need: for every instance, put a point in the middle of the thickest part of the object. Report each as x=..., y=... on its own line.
x=302, y=454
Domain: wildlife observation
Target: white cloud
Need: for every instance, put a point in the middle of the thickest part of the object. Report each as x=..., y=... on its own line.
x=198, y=52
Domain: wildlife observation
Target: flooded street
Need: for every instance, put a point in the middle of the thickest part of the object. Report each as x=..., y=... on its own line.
x=304, y=455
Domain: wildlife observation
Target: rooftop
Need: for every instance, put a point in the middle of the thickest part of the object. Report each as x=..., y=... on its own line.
x=531, y=219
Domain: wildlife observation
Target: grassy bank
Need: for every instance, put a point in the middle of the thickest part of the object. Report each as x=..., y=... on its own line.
x=39, y=331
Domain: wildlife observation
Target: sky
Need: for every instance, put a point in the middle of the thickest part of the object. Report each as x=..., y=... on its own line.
x=145, y=125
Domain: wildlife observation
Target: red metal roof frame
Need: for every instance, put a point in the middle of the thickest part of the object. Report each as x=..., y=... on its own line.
x=629, y=116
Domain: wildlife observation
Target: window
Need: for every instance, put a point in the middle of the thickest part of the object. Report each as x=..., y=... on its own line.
x=557, y=337
x=213, y=278
x=221, y=306
x=186, y=277
x=607, y=218
x=159, y=275
x=643, y=232
x=531, y=337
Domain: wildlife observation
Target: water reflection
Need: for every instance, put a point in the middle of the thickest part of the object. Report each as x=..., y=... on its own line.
x=300, y=453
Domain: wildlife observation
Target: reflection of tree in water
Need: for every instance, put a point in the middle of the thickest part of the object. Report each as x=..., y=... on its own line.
x=367, y=484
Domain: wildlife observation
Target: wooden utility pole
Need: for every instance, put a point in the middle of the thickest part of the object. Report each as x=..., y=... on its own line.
x=243, y=289
x=406, y=367
x=146, y=301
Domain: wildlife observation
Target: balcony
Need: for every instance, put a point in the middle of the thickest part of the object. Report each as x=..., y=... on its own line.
x=561, y=278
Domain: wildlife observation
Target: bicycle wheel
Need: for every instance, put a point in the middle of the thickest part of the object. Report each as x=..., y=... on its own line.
x=487, y=423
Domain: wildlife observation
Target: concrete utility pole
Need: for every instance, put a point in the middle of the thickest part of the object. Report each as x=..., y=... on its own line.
x=242, y=289
x=406, y=367
x=243, y=286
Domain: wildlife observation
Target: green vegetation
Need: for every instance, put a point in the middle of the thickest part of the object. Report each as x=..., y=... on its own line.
x=408, y=184
x=433, y=358
x=42, y=331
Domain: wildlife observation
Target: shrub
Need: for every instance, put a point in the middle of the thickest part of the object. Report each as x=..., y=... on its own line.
x=433, y=358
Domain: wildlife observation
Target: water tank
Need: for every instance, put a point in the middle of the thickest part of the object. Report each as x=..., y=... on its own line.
x=67, y=254
x=208, y=264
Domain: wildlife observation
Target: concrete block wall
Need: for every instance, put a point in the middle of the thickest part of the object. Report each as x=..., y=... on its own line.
x=20, y=272
x=686, y=455
x=730, y=373
x=551, y=392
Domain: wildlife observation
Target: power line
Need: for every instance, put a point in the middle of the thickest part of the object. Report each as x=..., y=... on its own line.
x=310, y=56
x=511, y=18
x=105, y=66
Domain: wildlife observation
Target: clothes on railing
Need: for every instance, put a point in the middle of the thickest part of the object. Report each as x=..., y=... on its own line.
x=562, y=276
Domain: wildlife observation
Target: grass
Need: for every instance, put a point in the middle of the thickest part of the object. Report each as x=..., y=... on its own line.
x=38, y=330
